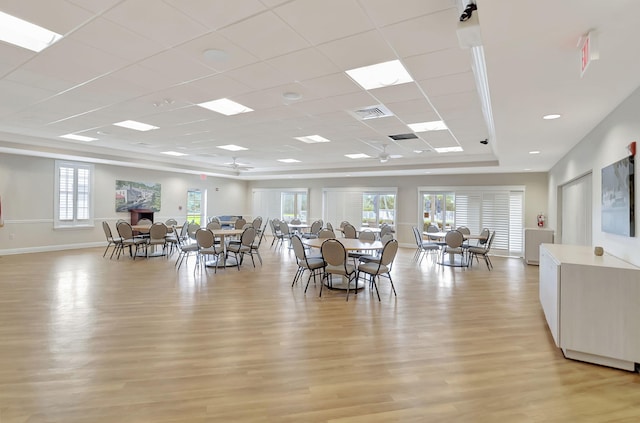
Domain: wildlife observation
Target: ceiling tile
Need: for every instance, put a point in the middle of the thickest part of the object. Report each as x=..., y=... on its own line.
x=58, y=16
x=265, y=36
x=303, y=64
x=358, y=50
x=450, y=84
x=439, y=63
x=385, y=12
x=215, y=14
x=260, y=75
x=176, y=67
x=318, y=22
x=236, y=56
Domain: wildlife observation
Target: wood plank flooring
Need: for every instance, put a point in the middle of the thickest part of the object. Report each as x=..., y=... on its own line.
x=90, y=340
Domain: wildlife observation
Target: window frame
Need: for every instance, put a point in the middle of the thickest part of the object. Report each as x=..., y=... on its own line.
x=74, y=222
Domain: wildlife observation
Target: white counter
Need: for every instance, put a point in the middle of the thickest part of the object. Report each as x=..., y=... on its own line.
x=592, y=305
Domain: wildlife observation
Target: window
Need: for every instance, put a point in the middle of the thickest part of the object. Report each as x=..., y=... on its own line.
x=378, y=208
x=294, y=205
x=196, y=206
x=499, y=209
x=73, y=198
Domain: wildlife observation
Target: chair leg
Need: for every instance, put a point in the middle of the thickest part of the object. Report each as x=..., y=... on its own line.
x=392, y=287
x=373, y=281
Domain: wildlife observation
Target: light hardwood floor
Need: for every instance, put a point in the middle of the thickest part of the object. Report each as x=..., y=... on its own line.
x=88, y=339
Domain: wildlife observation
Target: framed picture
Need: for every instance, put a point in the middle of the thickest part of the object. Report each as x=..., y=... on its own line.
x=618, y=205
x=137, y=195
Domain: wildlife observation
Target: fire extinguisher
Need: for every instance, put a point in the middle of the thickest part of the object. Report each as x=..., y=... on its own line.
x=540, y=220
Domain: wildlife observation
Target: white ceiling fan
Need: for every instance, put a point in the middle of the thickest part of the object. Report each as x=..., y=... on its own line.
x=384, y=157
x=235, y=164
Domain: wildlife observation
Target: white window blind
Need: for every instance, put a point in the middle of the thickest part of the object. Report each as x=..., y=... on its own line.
x=468, y=211
x=73, y=195
x=342, y=205
x=495, y=216
x=516, y=222
x=268, y=202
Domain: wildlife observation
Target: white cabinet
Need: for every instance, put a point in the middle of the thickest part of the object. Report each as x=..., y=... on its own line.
x=533, y=237
x=591, y=304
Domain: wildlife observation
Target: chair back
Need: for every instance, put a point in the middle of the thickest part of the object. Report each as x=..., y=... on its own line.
x=183, y=231
x=326, y=233
x=417, y=236
x=386, y=229
x=158, y=231
x=296, y=221
x=349, y=231
x=490, y=241
x=343, y=223
x=464, y=230
x=125, y=231
x=333, y=252
x=145, y=221
x=275, y=227
x=205, y=238
x=386, y=238
x=315, y=227
x=484, y=236
x=213, y=225
x=367, y=236
x=329, y=226
x=171, y=222
x=248, y=236
x=389, y=252
x=298, y=248
x=192, y=229
x=432, y=229
x=454, y=239
x=215, y=219
x=284, y=228
x=239, y=223
x=107, y=231
x=257, y=223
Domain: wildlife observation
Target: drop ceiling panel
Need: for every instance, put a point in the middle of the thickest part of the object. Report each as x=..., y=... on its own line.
x=303, y=64
x=12, y=56
x=216, y=14
x=435, y=32
x=115, y=40
x=56, y=15
x=458, y=102
x=95, y=6
x=385, y=12
x=235, y=56
x=18, y=96
x=332, y=85
x=176, y=66
x=319, y=23
x=212, y=88
x=157, y=21
x=358, y=50
x=265, y=36
x=416, y=107
x=439, y=63
x=439, y=138
x=398, y=93
x=450, y=84
x=260, y=76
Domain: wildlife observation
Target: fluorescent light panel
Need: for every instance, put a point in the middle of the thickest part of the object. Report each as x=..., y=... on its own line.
x=456, y=149
x=357, y=156
x=312, y=139
x=551, y=117
x=173, y=153
x=138, y=126
x=78, y=137
x=25, y=34
x=232, y=147
x=380, y=75
x=226, y=107
x=289, y=160
x=534, y=152
x=436, y=125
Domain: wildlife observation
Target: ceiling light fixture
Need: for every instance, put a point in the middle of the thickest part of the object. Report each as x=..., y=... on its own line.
x=215, y=55
x=312, y=139
x=232, y=147
x=25, y=34
x=138, y=126
x=551, y=117
x=534, y=152
x=380, y=75
x=291, y=96
x=226, y=107
x=289, y=160
x=358, y=156
x=78, y=137
x=436, y=125
x=173, y=153
x=457, y=149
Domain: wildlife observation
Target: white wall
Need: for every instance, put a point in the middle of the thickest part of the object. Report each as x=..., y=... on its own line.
x=535, y=193
x=604, y=145
x=27, y=191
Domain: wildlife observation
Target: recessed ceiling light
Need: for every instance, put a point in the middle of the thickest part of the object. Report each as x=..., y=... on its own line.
x=448, y=149
x=173, y=153
x=78, y=137
x=551, y=117
x=312, y=139
x=534, y=152
x=292, y=96
x=232, y=147
x=436, y=125
x=138, y=126
x=380, y=75
x=215, y=55
x=226, y=107
x=358, y=156
x=25, y=34
x=289, y=160
x=527, y=169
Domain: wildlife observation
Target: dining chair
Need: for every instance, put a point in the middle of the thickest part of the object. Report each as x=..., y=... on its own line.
x=314, y=265
x=157, y=236
x=276, y=232
x=185, y=247
x=376, y=256
x=454, y=240
x=335, y=257
x=239, y=223
x=482, y=251
x=128, y=240
x=207, y=248
x=326, y=233
x=246, y=239
x=349, y=231
x=423, y=247
x=316, y=226
x=381, y=268
x=111, y=240
x=365, y=236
